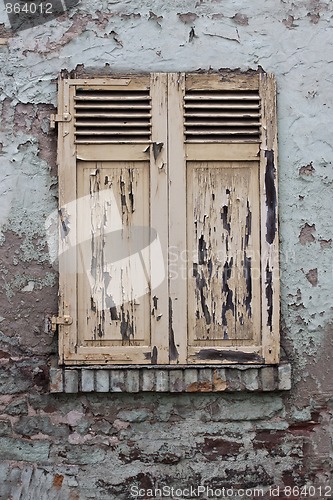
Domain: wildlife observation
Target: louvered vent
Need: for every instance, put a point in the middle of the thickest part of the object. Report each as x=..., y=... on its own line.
x=112, y=116
x=222, y=116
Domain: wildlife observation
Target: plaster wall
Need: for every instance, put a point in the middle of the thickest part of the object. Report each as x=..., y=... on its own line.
x=95, y=446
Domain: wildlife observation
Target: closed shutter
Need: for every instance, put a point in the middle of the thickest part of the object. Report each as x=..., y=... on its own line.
x=113, y=207
x=224, y=231
x=168, y=247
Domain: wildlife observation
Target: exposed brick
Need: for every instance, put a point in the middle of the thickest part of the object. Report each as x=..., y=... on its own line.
x=162, y=381
x=190, y=379
x=148, y=380
x=251, y=379
x=234, y=380
x=217, y=448
x=176, y=380
x=71, y=382
x=87, y=380
x=219, y=380
x=102, y=380
x=284, y=377
x=268, y=377
x=133, y=381
x=117, y=381
x=205, y=380
x=56, y=380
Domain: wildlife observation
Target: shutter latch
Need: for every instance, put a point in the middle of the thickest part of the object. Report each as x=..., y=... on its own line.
x=60, y=320
x=65, y=117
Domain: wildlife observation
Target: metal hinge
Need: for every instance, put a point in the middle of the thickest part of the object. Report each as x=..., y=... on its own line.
x=66, y=117
x=60, y=320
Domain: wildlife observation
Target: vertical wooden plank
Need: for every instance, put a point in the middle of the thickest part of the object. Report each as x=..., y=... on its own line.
x=158, y=219
x=177, y=221
x=67, y=221
x=223, y=245
x=113, y=287
x=269, y=221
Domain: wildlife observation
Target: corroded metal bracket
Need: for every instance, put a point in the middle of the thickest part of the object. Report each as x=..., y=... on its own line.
x=66, y=117
x=60, y=320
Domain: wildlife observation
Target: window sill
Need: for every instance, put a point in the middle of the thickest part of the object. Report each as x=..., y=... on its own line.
x=174, y=379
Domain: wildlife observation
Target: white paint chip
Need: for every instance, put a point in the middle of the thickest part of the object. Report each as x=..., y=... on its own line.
x=29, y=287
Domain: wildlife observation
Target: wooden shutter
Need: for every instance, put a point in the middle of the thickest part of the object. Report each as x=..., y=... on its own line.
x=168, y=248
x=223, y=156
x=113, y=208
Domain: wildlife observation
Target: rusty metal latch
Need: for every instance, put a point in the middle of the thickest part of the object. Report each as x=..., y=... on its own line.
x=60, y=320
x=66, y=117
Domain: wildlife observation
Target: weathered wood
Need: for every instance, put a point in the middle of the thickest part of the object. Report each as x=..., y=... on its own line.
x=270, y=288
x=197, y=206
x=158, y=221
x=226, y=355
x=222, y=152
x=114, y=304
x=137, y=82
x=223, y=245
x=67, y=224
x=177, y=221
x=230, y=81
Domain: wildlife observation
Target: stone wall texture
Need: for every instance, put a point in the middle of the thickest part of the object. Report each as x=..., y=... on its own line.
x=109, y=446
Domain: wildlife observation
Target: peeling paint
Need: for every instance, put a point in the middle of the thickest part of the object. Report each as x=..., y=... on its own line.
x=173, y=352
x=312, y=276
x=188, y=18
x=241, y=19
x=270, y=197
x=264, y=436
x=306, y=236
x=307, y=169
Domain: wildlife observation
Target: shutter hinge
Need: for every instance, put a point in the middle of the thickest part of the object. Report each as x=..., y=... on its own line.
x=60, y=320
x=65, y=117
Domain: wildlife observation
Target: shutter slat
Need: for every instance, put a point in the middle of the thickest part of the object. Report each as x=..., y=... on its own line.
x=222, y=123
x=116, y=105
x=109, y=123
x=222, y=131
x=223, y=105
x=112, y=140
x=111, y=132
x=111, y=116
x=221, y=96
x=219, y=115
x=97, y=97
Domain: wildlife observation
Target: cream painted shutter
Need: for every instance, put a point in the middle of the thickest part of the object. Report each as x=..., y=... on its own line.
x=223, y=218
x=168, y=237
x=113, y=305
